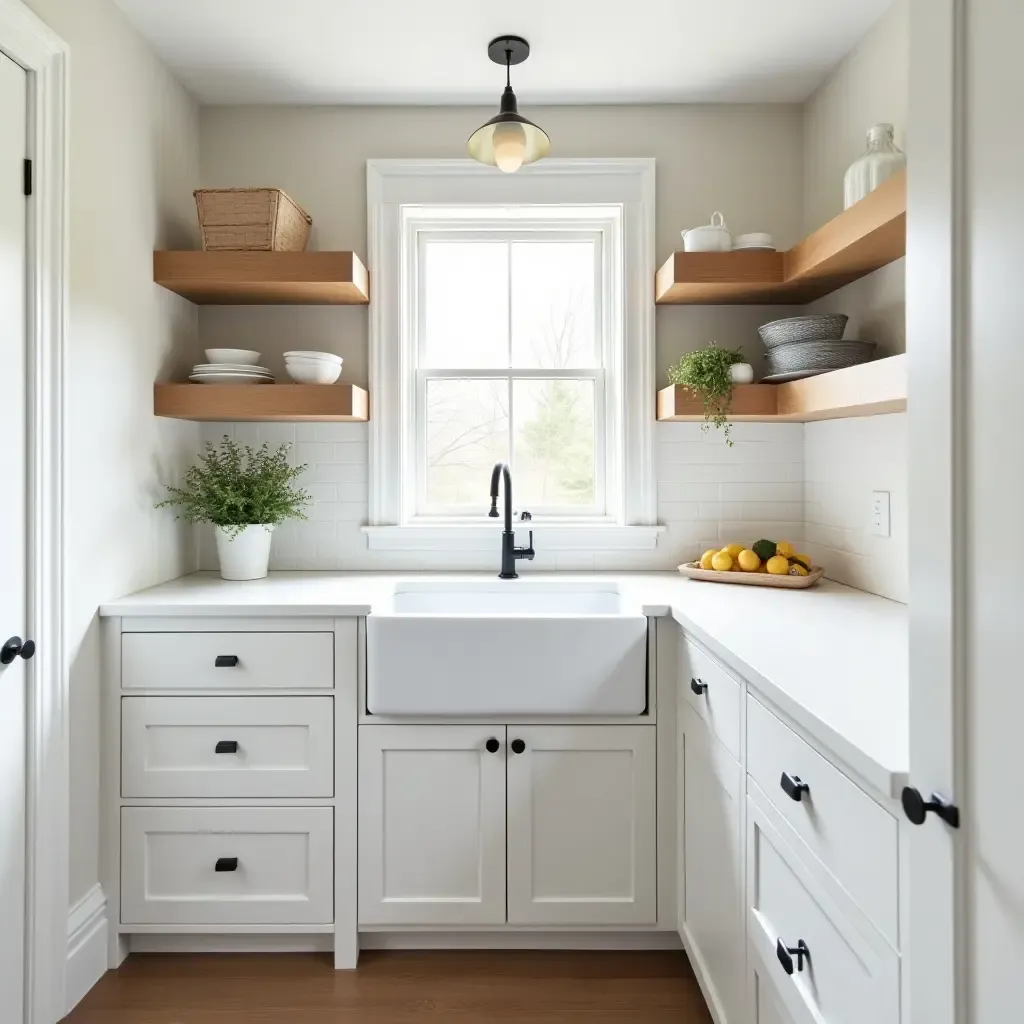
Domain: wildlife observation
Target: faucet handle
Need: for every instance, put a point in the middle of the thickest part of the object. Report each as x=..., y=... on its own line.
x=525, y=517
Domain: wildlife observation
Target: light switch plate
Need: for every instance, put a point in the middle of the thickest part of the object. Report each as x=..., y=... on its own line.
x=881, y=522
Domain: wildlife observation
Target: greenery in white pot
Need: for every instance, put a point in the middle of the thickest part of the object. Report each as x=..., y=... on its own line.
x=708, y=374
x=244, y=493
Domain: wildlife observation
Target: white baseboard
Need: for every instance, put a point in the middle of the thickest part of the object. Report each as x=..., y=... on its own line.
x=520, y=940
x=87, y=946
x=212, y=943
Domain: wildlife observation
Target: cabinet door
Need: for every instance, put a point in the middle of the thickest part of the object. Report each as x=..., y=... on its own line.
x=582, y=830
x=766, y=1007
x=712, y=903
x=431, y=825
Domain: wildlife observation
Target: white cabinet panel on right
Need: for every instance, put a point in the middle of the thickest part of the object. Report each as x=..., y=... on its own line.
x=582, y=829
x=825, y=969
x=764, y=1000
x=852, y=835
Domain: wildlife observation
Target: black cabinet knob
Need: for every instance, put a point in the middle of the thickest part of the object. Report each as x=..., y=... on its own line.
x=518, y=746
x=492, y=745
x=698, y=686
x=14, y=647
x=793, y=786
x=226, y=864
x=226, y=661
x=226, y=747
x=786, y=953
x=916, y=808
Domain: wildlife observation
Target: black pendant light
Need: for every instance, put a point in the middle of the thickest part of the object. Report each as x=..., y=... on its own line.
x=508, y=140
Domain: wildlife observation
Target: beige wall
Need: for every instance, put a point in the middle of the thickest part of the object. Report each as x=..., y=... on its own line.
x=745, y=161
x=133, y=162
x=845, y=461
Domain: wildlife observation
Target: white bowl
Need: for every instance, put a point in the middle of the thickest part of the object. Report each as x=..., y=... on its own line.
x=232, y=355
x=326, y=357
x=312, y=371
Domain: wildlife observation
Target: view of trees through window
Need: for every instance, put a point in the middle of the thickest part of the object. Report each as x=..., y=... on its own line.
x=510, y=369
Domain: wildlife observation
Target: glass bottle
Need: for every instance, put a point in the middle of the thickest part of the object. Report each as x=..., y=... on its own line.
x=882, y=160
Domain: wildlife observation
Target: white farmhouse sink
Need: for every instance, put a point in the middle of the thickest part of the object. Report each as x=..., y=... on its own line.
x=506, y=648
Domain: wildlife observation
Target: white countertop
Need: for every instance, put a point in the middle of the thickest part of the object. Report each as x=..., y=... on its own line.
x=833, y=658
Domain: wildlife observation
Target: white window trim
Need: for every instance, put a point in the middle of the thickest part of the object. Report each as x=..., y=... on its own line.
x=392, y=184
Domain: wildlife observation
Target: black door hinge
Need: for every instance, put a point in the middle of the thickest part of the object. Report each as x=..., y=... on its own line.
x=28, y=177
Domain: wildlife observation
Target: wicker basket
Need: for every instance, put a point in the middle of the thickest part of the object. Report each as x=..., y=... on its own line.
x=251, y=218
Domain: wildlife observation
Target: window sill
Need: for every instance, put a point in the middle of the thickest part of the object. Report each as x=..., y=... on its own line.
x=548, y=536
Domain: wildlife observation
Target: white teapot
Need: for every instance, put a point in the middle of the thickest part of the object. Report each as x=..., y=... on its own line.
x=713, y=237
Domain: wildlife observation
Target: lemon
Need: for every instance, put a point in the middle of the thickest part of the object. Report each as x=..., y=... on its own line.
x=705, y=559
x=785, y=549
x=722, y=561
x=778, y=565
x=749, y=562
x=806, y=559
x=734, y=550
x=796, y=569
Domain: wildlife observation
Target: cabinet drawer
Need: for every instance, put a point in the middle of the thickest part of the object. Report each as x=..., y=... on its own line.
x=712, y=693
x=227, y=865
x=227, y=746
x=854, y=837
x=845, y=979
x=248, y=661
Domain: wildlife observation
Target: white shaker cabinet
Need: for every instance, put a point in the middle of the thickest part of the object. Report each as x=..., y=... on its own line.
x=432, y=824
x=582, y=829
x=711, y=879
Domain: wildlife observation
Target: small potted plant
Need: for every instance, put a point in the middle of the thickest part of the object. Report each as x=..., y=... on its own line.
x=710, y=373
x=244, y=493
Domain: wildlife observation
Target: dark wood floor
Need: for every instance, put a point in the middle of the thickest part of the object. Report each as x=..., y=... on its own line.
x=398, y=988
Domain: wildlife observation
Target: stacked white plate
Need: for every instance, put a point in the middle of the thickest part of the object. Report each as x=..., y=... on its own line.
x=230, y=373
x=231, y=366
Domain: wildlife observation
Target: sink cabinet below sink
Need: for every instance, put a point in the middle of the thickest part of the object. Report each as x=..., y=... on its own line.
x=457, y=830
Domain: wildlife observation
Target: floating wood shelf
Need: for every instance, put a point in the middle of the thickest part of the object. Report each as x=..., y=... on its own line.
x=863, y=238
x=344, y=403
x=264, y=278
x=870, y=389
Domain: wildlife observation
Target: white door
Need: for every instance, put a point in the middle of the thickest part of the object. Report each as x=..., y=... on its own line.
x=431, y=824
x=712, y=885
x=935, y=476
x=13, y=584
x=764, y=1002
x=582, y=829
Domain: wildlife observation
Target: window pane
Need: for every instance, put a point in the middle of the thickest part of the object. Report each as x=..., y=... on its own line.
x=553, y=305
x=467, y=432
x=466, y=305
x=554, y=443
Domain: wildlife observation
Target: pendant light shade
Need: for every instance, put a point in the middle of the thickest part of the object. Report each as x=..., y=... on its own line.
x=508, y=140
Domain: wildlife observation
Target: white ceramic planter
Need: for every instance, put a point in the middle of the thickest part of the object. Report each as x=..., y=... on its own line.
x=741, y=373
x=246, y=555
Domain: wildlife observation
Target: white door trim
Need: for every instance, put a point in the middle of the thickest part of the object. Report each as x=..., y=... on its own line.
x=29, y=42
x=935, y=871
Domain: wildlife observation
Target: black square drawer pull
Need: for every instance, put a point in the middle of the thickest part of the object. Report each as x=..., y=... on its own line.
x=226, y=747
x=226, y=661
x=226, y=864
x=793, y=786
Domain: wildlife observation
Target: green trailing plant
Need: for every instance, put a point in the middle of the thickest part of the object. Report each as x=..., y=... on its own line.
x=706, y=373
x=235, y=486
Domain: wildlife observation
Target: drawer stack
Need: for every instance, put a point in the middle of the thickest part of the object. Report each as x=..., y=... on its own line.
x=225, y=802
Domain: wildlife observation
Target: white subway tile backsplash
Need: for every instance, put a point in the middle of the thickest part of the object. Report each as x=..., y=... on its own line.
x=809, y=484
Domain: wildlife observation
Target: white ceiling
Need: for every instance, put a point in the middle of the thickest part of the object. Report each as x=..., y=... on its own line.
x=435, y=51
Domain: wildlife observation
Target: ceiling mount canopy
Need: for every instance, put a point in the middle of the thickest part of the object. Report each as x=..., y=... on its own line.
x=508, y=140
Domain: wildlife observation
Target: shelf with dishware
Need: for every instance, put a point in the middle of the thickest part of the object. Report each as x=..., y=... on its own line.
x=287, y=403
x=867, y=236
x=256, y=277
x=868, y=389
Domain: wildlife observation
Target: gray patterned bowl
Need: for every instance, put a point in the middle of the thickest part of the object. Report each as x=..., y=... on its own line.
x=809, y=357
x=819, y=327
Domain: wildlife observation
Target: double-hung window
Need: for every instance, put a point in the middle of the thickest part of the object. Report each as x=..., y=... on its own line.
x=513, y=351
x=511, y=321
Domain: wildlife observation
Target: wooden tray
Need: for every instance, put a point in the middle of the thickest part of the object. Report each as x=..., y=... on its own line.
x=752, y=579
